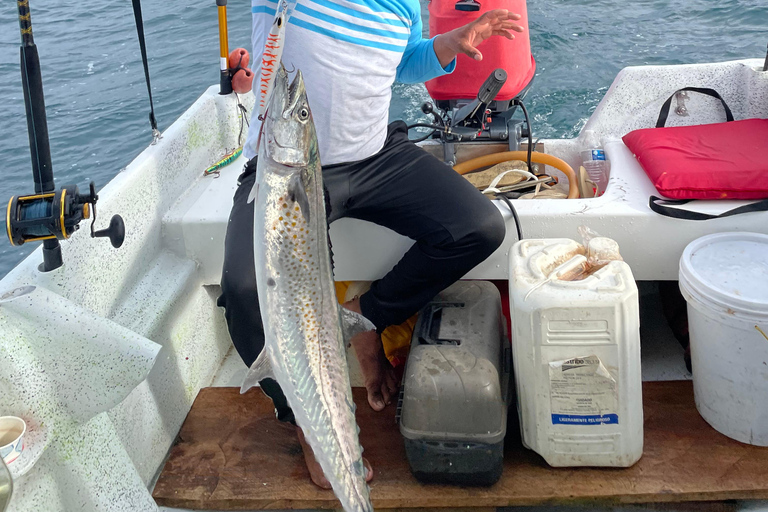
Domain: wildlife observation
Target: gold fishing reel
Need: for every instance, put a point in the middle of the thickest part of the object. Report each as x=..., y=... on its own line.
x=56, y=215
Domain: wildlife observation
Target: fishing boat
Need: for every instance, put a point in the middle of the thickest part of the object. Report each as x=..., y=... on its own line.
x=104, y=356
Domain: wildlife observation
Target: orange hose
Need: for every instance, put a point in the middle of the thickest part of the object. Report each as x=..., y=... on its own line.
x=536, y=157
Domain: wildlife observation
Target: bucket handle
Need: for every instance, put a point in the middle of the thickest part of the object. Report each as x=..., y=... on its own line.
x=761, y=332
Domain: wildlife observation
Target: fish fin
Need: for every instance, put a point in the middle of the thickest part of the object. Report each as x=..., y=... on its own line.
x=327, y=199
x=299, y=194
x=354, y=323
x=254, y=192
x=260, y=369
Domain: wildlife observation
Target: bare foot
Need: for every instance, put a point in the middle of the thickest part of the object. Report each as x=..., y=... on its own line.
x=378, y=374
x=315, y=471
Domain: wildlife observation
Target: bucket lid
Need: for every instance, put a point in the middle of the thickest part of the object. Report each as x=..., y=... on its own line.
x=729, y=270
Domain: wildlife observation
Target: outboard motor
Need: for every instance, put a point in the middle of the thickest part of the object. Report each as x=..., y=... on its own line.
x=514, y=56
x=480, y=98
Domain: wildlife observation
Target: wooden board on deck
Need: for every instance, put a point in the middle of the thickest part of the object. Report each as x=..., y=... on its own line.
x=233, y=454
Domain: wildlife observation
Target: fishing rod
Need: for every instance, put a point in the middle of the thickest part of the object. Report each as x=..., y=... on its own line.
x=47, y=215
x=225, y=79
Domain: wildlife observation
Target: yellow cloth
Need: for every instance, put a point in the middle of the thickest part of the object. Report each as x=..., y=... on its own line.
x=396, y=338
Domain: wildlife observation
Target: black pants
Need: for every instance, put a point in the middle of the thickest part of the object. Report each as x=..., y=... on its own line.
x=401, y=187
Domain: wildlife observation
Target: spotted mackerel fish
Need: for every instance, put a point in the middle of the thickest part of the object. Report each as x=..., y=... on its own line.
x=305, y=327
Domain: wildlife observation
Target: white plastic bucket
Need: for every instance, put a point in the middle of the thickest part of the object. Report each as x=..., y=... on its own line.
x=724, y=279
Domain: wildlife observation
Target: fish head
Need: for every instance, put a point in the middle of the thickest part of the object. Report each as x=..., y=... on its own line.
x=289, y=131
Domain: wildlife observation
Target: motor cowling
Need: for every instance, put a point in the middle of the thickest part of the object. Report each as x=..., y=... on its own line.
x=513, y=56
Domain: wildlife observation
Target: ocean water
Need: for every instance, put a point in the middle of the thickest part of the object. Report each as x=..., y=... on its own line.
x=96, y=96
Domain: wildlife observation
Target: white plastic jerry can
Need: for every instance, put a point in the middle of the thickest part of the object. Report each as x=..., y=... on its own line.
x=576, y=354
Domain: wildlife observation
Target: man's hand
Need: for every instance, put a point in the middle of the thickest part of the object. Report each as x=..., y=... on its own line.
x=498, y=22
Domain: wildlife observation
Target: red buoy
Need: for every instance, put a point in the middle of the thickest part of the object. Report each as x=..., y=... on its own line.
x=514, y=56
x=242, y=79
x=239, y=58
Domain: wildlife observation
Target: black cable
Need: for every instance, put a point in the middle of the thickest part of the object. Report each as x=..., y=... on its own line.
x=519, y=102
x=422, y=139
x=425, y=125
x=143, y=46
x=434, y=127
x=514, y=215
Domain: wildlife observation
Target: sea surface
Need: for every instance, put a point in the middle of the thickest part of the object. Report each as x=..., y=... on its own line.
x=96, y=97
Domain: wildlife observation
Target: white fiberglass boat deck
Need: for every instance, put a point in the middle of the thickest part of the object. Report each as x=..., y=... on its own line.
x=650, y=243
x=104, y=356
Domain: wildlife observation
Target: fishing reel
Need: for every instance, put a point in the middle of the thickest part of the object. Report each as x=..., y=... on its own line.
x=56, y=215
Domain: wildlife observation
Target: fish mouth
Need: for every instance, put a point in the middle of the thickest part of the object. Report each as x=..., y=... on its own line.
x=295, y=92
x=290, y=124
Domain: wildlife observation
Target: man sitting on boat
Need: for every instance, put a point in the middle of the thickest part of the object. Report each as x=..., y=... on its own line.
x=350, y=53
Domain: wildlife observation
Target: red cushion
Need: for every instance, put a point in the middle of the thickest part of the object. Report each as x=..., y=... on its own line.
x=709, y=161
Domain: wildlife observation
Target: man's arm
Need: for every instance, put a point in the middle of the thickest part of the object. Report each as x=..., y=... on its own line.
x=419, y=62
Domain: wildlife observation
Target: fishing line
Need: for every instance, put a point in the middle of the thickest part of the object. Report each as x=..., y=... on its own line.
x=242, y=113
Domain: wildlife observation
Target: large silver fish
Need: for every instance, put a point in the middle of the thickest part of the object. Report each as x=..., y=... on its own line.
x=304, y=325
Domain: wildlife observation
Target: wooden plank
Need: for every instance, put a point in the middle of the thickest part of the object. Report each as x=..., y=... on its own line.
x=232, y=454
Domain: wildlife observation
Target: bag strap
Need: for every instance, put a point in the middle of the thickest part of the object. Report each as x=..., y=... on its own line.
x=664, y=112
x=678, y=213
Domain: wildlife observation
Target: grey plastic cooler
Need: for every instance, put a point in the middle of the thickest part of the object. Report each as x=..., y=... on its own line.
x=454, y=398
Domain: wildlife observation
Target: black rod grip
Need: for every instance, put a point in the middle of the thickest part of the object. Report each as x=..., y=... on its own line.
x=37, y=123
x=225, y=82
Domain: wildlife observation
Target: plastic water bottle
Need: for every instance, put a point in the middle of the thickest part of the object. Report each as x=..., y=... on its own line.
x=594, y=161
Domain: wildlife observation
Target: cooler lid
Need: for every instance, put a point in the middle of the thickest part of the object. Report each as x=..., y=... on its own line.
x=456, y=380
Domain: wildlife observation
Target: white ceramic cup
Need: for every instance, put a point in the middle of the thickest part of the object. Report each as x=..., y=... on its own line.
x=12, y=431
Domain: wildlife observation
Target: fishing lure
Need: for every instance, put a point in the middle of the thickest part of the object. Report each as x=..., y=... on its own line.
x=273, y=51
x=228, y=159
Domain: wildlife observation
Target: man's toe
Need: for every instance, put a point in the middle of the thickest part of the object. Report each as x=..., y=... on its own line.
x=386, y=395
x=390, y=381
x=375, y=398
x=368, y=470
x=320, y=480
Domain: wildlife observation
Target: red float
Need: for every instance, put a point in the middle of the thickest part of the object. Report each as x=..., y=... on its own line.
x=242, y=79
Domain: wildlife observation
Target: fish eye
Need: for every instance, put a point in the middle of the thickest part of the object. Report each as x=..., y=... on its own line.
x=304, y=113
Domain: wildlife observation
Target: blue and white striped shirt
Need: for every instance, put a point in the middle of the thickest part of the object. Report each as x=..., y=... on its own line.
x=350, y=52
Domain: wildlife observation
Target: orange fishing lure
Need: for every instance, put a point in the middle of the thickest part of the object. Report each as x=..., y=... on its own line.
x=273, y=51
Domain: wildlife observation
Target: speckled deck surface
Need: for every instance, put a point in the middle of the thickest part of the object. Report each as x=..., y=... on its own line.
x=232, y=454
